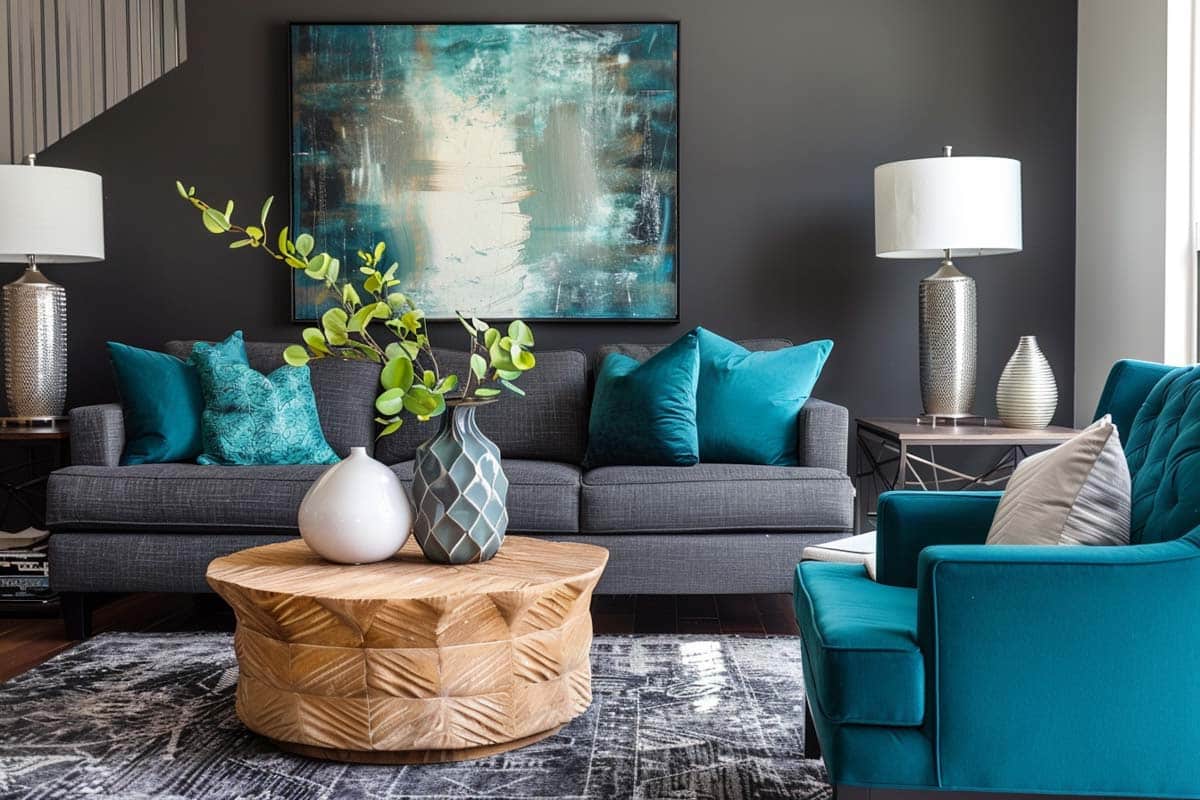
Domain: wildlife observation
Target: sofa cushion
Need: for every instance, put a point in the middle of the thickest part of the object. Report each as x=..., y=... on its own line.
x=641, y=352
x=186, y=498
x=860, y=643
x=345, y=392
x=715, y=497
x=549, y=423
x=543, y=496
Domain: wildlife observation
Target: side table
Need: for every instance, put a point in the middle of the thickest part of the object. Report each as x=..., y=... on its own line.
x=43, y=449
x=900, y=453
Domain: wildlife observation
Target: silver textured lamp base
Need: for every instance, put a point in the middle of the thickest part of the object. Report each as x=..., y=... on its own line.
x=947, y=352
x=35, y=348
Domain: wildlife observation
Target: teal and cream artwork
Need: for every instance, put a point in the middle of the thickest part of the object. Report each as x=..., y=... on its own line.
x=514, y=170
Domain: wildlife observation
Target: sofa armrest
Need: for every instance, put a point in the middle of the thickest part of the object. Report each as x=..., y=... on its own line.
x=97, y=435
x=824, y=435
x=1034, y=655
x=908, y=522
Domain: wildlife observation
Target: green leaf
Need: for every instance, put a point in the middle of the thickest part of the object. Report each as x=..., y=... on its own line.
x=382, y=310
x=254, y=232
x=397, y=373
x=429, y=378
x=393, y=350
x=500, y=356
x=182, y=191
x=229, y=209
x=512, y=387
x=397, y=300
x=421, y=401
x=522, y=359
x=240, y=243
x=333, y=270
x=390, y=428
x=350, y=295
x=391, y=272
x=470, y=329
x=485, y=391
x=294, y=262
x=317, y=266
x=334, y=322
x=491, y=336
x=479, y=324
x=412, y=348
x=295, y=355
x=412, y=320
x=478, y=365
x=266, y=207
x=391, y=402
x=373, y=284
x=361, y=318
x=508, y=374
x=366, y=351
x=446, y=384
x=283, y=241
x=304, y=244
x=520, y=333
x=215, y=221
x=315, y=340
x=378, y=254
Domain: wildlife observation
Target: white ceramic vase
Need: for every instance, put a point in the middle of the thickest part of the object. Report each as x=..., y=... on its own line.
x=1027, y=394
x=357, y=512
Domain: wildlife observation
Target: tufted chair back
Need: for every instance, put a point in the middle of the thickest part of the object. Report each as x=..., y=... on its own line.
x=1163, y=450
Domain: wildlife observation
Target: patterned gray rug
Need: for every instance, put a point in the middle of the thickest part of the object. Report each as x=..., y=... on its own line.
x=151, y=715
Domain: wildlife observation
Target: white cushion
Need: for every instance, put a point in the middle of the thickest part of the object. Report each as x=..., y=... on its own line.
x=858, y=549
x=1076, y=493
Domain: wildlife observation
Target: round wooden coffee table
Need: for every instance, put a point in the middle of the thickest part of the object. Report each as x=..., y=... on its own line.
x=406, y=661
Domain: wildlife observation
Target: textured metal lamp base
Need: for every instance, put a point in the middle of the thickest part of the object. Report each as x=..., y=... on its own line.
x=35, y=346
x=947, y=320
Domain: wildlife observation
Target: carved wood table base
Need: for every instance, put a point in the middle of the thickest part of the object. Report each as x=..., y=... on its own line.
x=406, y=661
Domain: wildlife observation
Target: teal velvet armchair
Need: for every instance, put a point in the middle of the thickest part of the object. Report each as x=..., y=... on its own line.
x=1055, y=670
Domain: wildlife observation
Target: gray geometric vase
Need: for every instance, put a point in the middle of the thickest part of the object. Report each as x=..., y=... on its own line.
x=459, y=490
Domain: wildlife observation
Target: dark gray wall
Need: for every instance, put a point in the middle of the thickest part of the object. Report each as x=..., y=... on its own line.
x=786, y=107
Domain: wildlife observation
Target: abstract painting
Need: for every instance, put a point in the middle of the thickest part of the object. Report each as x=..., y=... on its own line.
x=514, y=170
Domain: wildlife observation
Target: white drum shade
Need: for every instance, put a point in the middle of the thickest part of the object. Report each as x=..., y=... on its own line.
x=54, y=214
x=968, y=205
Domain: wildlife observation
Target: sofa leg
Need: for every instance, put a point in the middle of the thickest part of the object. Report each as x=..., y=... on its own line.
x=77, y=614
x=812, y=745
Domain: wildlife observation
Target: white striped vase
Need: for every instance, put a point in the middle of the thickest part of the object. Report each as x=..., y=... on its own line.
x=1027, y=395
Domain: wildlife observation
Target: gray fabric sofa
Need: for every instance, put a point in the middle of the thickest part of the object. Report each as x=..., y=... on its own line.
x=711, y=528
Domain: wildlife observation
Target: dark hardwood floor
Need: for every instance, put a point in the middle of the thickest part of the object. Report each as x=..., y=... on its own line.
x=26, y=642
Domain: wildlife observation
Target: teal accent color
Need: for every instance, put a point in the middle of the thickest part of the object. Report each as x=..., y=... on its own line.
x=645, y=414
x=1036, y=659
x=861, y=638
x=250, y=418
x=1128, y=384
x=460, y=491
x=909, y=521
x=748, y=404
x=161, y=402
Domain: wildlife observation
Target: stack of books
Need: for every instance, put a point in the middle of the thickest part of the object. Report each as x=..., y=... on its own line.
x=25, y=567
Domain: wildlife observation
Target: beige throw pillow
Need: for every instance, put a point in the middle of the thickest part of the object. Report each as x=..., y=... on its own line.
x=1076, y=493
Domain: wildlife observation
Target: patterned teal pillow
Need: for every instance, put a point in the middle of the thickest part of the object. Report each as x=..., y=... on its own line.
x=250, y=418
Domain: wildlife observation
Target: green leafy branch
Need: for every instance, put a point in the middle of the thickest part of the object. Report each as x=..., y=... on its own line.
x=410, y=377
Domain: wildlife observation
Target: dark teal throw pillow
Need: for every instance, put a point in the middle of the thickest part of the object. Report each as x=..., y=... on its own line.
x=161, y=402
x=250, y=418
x=748, y=403
x=645, y=414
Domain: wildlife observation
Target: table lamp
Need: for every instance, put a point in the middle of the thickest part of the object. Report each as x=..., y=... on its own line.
x=47, y=216
x=938, y=208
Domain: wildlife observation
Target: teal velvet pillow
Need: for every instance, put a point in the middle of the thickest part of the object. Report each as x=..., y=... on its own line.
x=645, y=414
x=161, y=401
x=748, y=403
x=250, y=418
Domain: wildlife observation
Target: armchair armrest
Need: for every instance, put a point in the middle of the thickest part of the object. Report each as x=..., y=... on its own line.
x=911, y=521
x=824, y=435
x=1035, y=656
x=97, y=435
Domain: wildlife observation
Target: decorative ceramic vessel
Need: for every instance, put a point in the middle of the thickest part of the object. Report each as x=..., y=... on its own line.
x=1027, y=395
x=357, y=512
x=459, y=490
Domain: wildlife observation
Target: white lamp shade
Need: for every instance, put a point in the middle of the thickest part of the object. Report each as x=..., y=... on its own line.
x=968, y=205
x=54, y=214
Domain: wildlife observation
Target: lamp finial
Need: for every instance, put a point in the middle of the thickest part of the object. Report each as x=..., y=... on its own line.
x=946, y=150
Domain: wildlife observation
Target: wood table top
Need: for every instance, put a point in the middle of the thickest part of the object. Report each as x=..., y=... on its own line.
x=34, y=433
x=909, y=431
x=292, y=568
